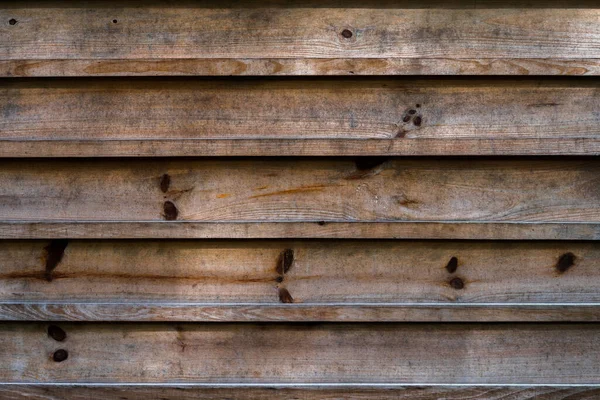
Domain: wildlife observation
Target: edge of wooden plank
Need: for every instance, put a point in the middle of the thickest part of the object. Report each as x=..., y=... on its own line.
x=291, y=67
x=109, y=391
x=10, y=148
x=334, y=312
x=288, y=230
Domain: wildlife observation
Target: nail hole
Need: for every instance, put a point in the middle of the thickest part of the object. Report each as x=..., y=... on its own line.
x=12, y=21
x=565, y=262
x=452, y=265
x=56, y=333
x=412, y=112
x=347, y=33
x=417, y=121
x=115, y=21
x=457, y=283
x=418, y=106
x=406, y=119
x=60, y=355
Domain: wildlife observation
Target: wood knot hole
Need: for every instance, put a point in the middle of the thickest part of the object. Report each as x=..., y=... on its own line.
x=170, y=211
x=457, y=283
x=165, y=183
x=565, y=262
x=285, y=296
x=60, y=355
x=452, y=265
x=56, y=333
x=347, y=33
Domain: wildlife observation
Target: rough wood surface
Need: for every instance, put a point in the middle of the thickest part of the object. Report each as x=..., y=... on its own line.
x=289, y=230
x=300, y=37
x=327, y=280
x=291, y=353
x=174, y=117
x=558, y=197
x=48, y=392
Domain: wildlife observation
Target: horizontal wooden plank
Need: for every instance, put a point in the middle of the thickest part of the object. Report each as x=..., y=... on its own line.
x=299, y=37
x=428, y=198
x=300, y=67
x=391, y=353
x=174, y=117
x=584, y=146
x=289, y=230
x=325, y=281
x=89, y=392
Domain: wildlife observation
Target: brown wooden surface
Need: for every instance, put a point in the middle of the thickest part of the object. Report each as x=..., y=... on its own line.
x=299, y=37
x=175, y=117
x=48, y=392
x=289, y=287
x=431, y=198
x=327, y=280
x=292, y=353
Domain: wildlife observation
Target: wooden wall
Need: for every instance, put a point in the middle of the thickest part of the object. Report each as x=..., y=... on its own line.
x=269, y=199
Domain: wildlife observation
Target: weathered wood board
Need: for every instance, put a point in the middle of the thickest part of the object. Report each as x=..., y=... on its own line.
x=299, y=281
x=300, y=199
x=493, y=354
x=437, y=198
x=183, y=392
x=299, y=38
x=250, y=117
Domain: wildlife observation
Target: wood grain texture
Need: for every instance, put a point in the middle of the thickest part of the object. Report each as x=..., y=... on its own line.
x=391, y=353
x=174, y=117
x=452, y=198
x=328, y=281
x=266, y=37
x=77, y=392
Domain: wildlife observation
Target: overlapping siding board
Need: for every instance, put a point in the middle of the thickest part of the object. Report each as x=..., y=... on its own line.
x=269, y=199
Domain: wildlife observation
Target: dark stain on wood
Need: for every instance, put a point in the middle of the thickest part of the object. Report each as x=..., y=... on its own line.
x=129, y=276
x=60, y=355
x=457, y=283
x=401, y=133
x=367, y=166
x=405, y=201
x=315, y=188
x=165, y=182
x=285, y=296
x=417, y=121
x=452, y=265
x=369, y=163
x=170, y=211
x=285, y=261
x=57, y=333
x=565, y=262
x=53, y=253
